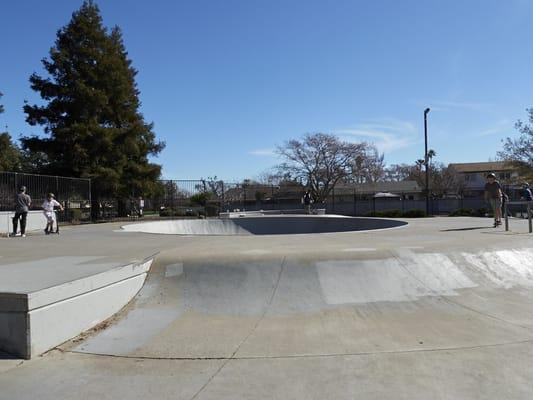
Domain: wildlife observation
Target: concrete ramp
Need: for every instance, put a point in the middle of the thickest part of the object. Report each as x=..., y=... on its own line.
x=268, y=307
x=265, y=225
x=440, y=309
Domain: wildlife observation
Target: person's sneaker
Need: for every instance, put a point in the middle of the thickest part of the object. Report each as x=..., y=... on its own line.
x=23, y=235
x=46, y=232
x=495, y=224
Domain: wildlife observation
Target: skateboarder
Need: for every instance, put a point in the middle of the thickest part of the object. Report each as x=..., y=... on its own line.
x=50, y=214
x=494, y=194
x=22, y=206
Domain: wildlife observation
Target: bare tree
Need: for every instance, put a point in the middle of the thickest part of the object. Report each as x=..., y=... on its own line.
x=445, y=181
x=519, y=151
x=320, y=160
x=369, y=166
x=212, y=185
x=398, y=172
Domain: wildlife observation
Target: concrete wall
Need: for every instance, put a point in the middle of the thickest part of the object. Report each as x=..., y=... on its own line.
x=33, y=323
x=36, y=221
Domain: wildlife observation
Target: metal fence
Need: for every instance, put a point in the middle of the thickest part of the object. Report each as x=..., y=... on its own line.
x=179, y=198
x=73, y=193
x=194, y=197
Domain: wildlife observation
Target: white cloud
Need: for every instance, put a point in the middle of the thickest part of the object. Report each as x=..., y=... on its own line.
x=263, y=152
x=445, y=105
x=388, y=135
x=501, y=126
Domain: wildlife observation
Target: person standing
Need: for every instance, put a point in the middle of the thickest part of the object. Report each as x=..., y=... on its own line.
x=306, y=201
x=22, y=206
x=141, y=206
x=50, y=214
x=494, y=194
x=526, y=192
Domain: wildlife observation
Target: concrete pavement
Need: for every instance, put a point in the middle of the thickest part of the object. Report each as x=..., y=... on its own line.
x=439, y=308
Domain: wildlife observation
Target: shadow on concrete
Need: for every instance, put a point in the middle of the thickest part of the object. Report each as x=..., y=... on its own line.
x=466, y=229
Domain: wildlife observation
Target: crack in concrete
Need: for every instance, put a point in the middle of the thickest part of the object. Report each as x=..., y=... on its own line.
x=256, y=325
x=311, y=356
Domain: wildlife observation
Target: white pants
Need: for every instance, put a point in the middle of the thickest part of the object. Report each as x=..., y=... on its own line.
x=50, y=216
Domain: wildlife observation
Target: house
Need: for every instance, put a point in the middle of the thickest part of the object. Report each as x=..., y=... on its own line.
x=473, y=176
x=407, y=190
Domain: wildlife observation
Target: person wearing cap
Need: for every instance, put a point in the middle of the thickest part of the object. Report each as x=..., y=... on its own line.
x=49, y=213
x=22, y=206
x=494, y=194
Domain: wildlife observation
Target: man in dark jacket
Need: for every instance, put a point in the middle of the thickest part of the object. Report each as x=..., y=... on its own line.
x=526, y=192
x=22, y=206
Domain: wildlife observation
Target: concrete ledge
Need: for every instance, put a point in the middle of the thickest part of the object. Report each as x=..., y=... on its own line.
x=33, y=323
x=35, y=221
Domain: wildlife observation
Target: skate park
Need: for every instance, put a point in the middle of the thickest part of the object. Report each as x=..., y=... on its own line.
x=298, y=200
x=377, y=313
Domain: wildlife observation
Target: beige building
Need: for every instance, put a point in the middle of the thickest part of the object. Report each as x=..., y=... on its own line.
x=473, y=176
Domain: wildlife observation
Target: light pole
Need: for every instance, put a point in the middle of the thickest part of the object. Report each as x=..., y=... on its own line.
x=426, y=161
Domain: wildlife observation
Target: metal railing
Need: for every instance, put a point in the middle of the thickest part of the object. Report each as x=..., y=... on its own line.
x=73, y=193
x=529, y=208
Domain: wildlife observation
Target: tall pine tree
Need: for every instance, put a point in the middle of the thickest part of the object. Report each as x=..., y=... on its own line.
x=91, y=116
x=10, y=156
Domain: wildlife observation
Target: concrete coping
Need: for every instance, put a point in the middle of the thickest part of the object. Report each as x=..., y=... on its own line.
x=27, y=301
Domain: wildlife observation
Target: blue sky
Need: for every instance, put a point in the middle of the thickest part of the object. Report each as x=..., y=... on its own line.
x=225, y=81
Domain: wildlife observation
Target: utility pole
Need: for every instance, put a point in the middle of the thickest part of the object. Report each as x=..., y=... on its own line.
x=426, y=160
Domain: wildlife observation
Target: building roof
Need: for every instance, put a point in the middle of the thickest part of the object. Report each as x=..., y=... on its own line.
x=491, y=166
x=392, y=187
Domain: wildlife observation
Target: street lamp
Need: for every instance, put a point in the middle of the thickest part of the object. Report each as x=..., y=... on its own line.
x=426, y=161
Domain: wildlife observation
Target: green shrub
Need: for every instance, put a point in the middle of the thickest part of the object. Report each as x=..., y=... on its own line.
x=200, y=198
x=211, y=210
x=462, y=212
x=416, y=213
x=469, y=212
x=385, y=214
x=166, y=212
x=74, y=214
x=483, y=212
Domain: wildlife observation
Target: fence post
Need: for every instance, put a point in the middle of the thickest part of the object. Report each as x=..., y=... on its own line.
x=354, y=202
x=90, y=200
x=333, y=199
x=529, y=216
x=244, y=198
x=506, y=216
x=223, y=196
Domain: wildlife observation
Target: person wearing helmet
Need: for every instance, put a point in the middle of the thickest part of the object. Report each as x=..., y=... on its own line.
x=494, y=194
x=22, y=206
x=49, y=213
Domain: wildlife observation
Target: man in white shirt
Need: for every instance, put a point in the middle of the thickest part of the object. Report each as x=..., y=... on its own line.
x=49, y=213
